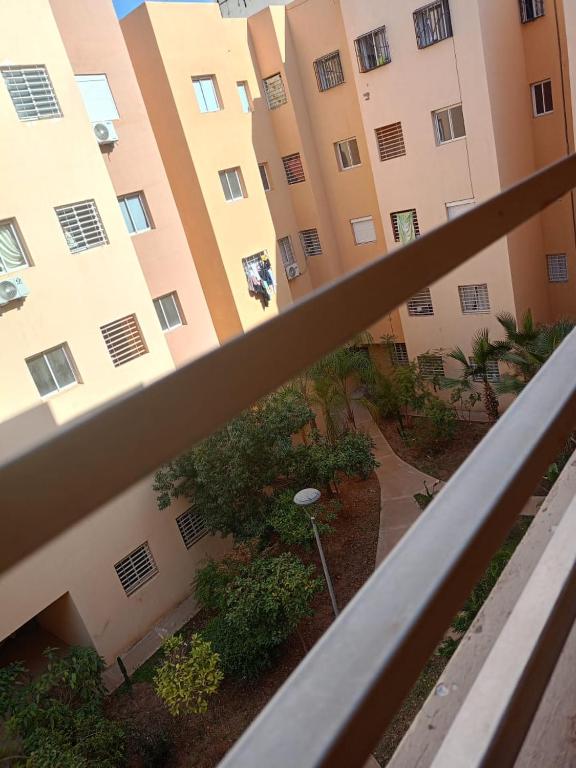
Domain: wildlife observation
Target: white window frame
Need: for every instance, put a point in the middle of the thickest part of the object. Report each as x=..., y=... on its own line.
x=346, y=144
x=79, y=235
x=310, y=241
x=33, y=97
x=274, y=91
x=265, y=176
x=362, y=220
x=329, y=71
x=242, y=86
x=10, y=224
x=541, y=84
x=143, y=205
x=420, y=304
x=161, y=312
x=129, y=561
x=480, y=304
x=439, y=141
x=557, y=267
x=71, y=366
x=192, y=527
x=467, y=204
x=223, y=174
x=202, y=79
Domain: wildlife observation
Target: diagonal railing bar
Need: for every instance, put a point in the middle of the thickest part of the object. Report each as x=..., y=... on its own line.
x=106, y=453
x=336, y=704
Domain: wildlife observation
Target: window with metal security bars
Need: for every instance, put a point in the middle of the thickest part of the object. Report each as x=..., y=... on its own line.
x=82, y=226
x=347, y=154
x=432, y=23
x=265, y=176
x=530, y=10
x=557, y=268
x=329, y=72
x=405, y=225
x=192, y=527
x=372, y=50
x=31, y=91
x=421, y=304
x=310, y=242
x=251, y=261
x=52, y=370
x=399, y=354
x=431, y=366
x=293, y=168
x=474, y=298
x=124, y=340
x=492, y=371
x=286, y=251
x=390, y=141
x=12, y=253
x=136, y=569
x=542, y=101
x=274, y=91
x=168, y=311
x=449, y=124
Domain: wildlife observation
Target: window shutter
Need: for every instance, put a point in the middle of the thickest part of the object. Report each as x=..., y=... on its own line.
x=390, y=141
x=97, y=98
x=364, y=230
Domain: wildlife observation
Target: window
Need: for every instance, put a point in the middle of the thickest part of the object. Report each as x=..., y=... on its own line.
x=97, y=98
x=421, y=304
x=347, y=154
x=124, y=340
x=192, y=527
x=12, y=253
x=542, y=98
x=206, y=93
x=453, y=210
x=474, y=298
x=399, y=354
x=82, y=226
x=390, y=141
x=310, y=242
x=449, y=124
x=364, y=230
x=431, y=366
x=286, y=251
x=252, y=261
x=244, y=95
x=372, y=50
x=329, y=72
x=136, y=569
x=405, y=225
x=167, y=310
x=134, y=211
x=557, y=268
x=530, y=10
x=264, y=175
x=492, y=371
x=52, y=370
x=31, y=91
x=293, y=168
x=231, y=180
x=274, y=91
x=432, y=23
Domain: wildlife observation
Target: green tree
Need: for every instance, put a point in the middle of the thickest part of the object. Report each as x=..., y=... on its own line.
x=438, y=424
x=477, y=368
x=189, y=674
x=257, y=606
x=58, y=716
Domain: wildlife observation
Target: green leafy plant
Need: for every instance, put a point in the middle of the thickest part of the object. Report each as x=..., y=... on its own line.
x=189, y=674
x=292, y=524
x=426, y=498
x=58, y=716
x=438, y=426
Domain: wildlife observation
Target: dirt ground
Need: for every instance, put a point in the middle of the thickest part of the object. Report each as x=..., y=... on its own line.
x=201, y=741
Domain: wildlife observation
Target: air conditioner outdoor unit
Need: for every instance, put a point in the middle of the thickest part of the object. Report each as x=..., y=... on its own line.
x=292, y=271
x=13, y=289
x=105, y=132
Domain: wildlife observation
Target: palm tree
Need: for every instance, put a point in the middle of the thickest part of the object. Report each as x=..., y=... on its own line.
x=477, y=368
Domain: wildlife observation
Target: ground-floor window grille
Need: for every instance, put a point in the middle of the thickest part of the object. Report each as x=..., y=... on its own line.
x=431, y=366
x=492, y=371
x=124, y=340
x=136, y=569
x=310, y=242
x=421, y=304
x=399, y=354
x=192, y=527
x=557, y=268
x=474, y=298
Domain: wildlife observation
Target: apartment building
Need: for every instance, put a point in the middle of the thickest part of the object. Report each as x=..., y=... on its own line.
x=79, y=327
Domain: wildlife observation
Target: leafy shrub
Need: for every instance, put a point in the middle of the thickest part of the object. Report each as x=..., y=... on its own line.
x=189, y=674
x=438, y=426
x=356, y=455
x=259, y=604
x=58, y=716
x=292, y=524
x=425, y=499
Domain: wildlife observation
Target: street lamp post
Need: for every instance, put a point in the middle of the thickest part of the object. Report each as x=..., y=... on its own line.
x=306, y=498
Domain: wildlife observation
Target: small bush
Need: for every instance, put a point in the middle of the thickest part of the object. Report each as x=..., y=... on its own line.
x=438, y=426
x=292, y=524
x=356, y=455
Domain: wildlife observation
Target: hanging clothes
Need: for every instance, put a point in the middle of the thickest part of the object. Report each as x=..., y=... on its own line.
x=406, y=230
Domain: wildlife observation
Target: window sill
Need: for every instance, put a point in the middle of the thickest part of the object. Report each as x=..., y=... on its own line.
x=450, y=141
x=543, y=114
x=172, y=328
x=140, y=231
x=350, y=167
x=52, y=395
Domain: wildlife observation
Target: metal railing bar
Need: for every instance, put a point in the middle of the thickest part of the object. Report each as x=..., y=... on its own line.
x=334, y=707
x=495, y=717
x=106, y=453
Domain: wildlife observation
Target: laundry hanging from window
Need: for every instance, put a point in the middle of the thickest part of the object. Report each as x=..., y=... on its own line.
x=259, y=277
